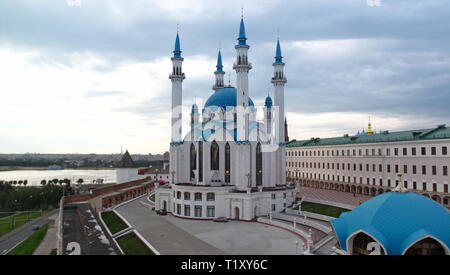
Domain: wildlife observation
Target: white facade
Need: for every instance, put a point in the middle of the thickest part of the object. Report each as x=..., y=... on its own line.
x=373, y=168
x=225, y=157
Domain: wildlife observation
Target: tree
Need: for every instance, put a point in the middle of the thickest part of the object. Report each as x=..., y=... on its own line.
x=43, y=182
x=55, y=181
x=20, y=182
x=25, y=182
x=80, y=181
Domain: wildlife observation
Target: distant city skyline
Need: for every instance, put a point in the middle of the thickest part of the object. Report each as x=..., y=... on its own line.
x=77, y=82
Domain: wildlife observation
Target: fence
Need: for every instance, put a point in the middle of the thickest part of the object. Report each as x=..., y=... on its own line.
x=303, y=221
x=59, y=247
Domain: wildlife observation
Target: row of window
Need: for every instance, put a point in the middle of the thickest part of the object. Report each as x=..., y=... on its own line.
x=368, y=152
x=348, y=179
x=210, y=211
x=368, y=168
x=197, y=196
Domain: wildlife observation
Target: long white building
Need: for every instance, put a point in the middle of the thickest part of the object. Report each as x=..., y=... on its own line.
x=369, y=163
x=228, y=164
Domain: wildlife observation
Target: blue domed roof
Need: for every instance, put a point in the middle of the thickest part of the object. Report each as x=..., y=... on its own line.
x=395, y=220
x=225, y=97
x=268, y=102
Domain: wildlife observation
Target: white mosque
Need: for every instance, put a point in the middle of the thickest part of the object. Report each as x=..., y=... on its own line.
x=228, y=165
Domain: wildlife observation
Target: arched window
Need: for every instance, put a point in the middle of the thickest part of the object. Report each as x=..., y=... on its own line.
x=239, y=60
x=227, y=162
x=193, y=159
x=258, y=164
x=214, y=156
x=362, y=245
x=427, y=246
x=200, y=161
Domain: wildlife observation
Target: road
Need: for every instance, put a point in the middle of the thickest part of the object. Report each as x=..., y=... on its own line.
x=12, y=238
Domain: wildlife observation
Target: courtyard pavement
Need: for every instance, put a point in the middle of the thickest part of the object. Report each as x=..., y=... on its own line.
x=170, y=235
x=332, y=195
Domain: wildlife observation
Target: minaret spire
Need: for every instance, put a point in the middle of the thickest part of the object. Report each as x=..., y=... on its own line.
x=177, y=77
x=219, y=73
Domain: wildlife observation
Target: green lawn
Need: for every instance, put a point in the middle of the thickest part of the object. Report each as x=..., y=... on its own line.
x=132, y=245
x=28, y=246
x=152, y=197
x=114, y=223
x=20, y=219
x=322, y=209
x=53, y=252
x=3, y=215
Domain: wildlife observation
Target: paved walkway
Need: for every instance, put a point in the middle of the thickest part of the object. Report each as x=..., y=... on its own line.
x=171, y=235
x=165, y=237
x=51, y=238
x=332, y=195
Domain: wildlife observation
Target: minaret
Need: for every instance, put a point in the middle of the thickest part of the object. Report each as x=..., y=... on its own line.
x=286, y=137
x=278, y=81
x=219, y=73
x=242, y=67
x=268, y=115
x=194, y=120
x=177, y=77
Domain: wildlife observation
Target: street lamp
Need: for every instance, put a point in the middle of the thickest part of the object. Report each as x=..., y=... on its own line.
x=227, y=176
x=173, y=174
x=156, y=172
x=248, y=177
x=259, y=177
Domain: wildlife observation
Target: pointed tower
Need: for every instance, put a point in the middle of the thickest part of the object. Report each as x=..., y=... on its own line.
x=268, y=115
x=278, y=81
x=194, y=120
x=177, y=77
x=286, y=137
x=219, y=73
x=242, y=67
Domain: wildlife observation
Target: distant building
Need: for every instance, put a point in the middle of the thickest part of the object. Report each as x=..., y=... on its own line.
x=126, y=169
x=368, y=163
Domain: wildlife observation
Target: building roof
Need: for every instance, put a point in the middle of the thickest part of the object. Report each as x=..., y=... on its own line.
x=268, y=102
x=242, y=37
x=126, y=161
x=395, y=220
x=225, y=97
x=440, y=132
x=177, y=50
x=278, y=57
x=219, y=65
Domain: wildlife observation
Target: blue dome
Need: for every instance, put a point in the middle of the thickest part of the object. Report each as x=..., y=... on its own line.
x=395, y=220
x=224, y=97
x=268, y=102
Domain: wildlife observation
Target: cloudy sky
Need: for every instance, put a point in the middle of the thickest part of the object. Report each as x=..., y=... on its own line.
x=89, y=76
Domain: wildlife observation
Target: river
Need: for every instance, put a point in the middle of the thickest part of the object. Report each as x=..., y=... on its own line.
x=34, y=177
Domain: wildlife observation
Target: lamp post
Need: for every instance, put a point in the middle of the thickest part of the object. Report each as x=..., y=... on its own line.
x=227, y=176
x=173, y=176
x=248, y=177
x=296, y=247
x=259, y=177
x=156, y=172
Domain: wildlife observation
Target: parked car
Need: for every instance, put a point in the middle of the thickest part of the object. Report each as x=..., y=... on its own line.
x=163, y=212
x=35, y=227
x=221, y=219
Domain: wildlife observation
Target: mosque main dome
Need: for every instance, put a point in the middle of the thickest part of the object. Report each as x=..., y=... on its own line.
x=396, y=220
x=225, y=97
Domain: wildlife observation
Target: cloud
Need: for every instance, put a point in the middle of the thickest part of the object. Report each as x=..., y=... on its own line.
x=92, y=77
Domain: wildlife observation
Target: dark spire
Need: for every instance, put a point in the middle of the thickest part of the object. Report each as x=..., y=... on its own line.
x=286, y=137
x=126, y=161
